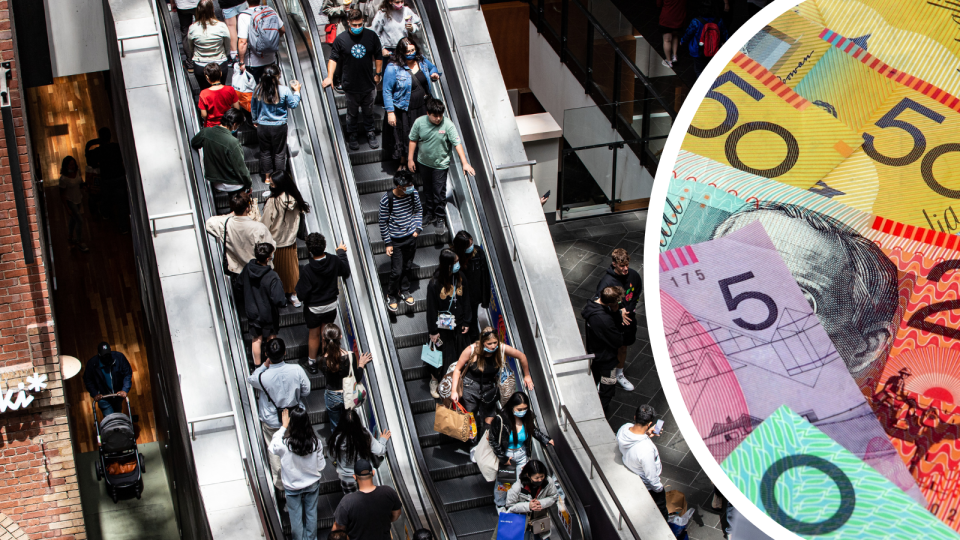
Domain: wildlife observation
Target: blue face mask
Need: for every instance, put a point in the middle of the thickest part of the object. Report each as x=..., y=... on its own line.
x=456, y=267
x=519, y=414
x=410, y=190
x=356, y=31
x=234, y=132
x=491, y=350
x=411, y=56
x=469, y=249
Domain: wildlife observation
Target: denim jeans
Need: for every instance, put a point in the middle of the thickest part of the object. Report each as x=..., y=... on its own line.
x=302, y=510
x=334, y=402
x=110, y=406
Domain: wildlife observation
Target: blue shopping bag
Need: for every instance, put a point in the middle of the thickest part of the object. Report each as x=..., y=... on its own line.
x=511, y=526
x=431, y=356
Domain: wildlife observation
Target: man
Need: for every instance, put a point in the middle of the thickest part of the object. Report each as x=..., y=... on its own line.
x=367, y=513
x=437, y=138
x=263, y=297
x=640, y=455
x=621, y=275
x=223, y=163
x=105, y=156
x=258, y=48
x=281, y=386
x=604, y=322
x=108, y=373
x=239, y=232
x=319, y=290
x=400, y=214
x=360, y=53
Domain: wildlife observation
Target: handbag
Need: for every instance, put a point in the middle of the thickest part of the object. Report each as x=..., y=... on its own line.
x=506, y=380
x=510, y=527
x=431, y=356
x=446, y=384
x=540, y=526
x=455, y=423
x=353, y=392
x=507, y=474
x=487, y=460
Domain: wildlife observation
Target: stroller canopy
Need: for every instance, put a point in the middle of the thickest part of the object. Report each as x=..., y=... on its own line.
x=116, y=433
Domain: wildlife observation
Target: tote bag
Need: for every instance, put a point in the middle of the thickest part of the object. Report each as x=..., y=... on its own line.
x=456, y=422
x=353, y=392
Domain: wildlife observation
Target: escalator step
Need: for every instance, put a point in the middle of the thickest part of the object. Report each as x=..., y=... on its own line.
x=411, y=364
x=429, y=237
x=475, y=523
x=377, y=120
x=289, y=316
x=377, y=177
x=465, y=493
x=251, y=156
x=317, y=382
x=258, y=189
x=316, y=407
x=340, y=100
x=326, y=506
x=418, y=393
x=366, y=154
x=450, y=460
x=410, y=331
x=247, y=135
x=425, y=262
x=425, y=432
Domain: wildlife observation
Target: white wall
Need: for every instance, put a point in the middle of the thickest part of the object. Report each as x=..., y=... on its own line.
x=558, y=90
x=77, y=37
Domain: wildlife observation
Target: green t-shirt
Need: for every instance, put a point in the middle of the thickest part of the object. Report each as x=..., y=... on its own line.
x=435, y=143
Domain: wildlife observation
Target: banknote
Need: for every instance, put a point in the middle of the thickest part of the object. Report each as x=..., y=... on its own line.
x=743, y=341
x=815, y=488
x=788, y=47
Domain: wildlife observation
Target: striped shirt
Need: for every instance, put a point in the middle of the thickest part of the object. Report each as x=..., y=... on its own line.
x=405, y=219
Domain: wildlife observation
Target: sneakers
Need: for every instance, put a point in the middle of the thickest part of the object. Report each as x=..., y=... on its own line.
x=441, y=225
x=434, y=384
x=295, y=301
x=372, y=140
x=473, y=454
x=312, y=369
x=667, y=63
x=352, y=142
x=408, y=298
x=392, y=304
x=624, y=383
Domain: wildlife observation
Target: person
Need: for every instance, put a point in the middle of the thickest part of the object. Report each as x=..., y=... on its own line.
x=217, y=98
x=621, y=275
x=107, y=158
x=240, y=232
x=281, y=386
x=108, y=372
x=604, y=322
x=357, y=50
x=436, y=136
x=208, y=41
x=423, y=534
x=400, y=224
x=231, y=11
x=318, y=291
x=393, y=22
x=223, y=163
x=70, y=183
x=672, y=15
x=184, y=10
x=511, y=438
x=479, y=365
x=269, y=107
x=367, y=512
x=406, y=85
x=271, y=29
x=894, y=394
x=282, y=212
x=262, y=297
x=448, y=296
x=301, y=468
x=332, y=18
x=533, y=495
x=336, y=365
x=350, y=443
x=473, y=267
x=640, y=455
x=701, y=56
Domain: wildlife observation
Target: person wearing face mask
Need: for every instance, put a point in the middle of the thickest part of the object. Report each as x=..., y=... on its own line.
x=400, y=214
x=511, y=438
x=474, y=267
x=394, y=22
x=604, y=322
x=448, y=314
x=262, y=297
x=621, y=275
x=108, y=373
x=533, y=495
x=360, y=54
x=223, y=164
x=406, y=85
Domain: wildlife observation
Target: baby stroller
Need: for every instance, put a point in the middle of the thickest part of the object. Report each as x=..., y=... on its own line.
x=119, y=463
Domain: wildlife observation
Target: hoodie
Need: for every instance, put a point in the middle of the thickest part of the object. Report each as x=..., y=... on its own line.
x=631, y=284
x=318, y=279
x=262, y=294
x=640, y=455
x=604, y=334
x=518, y=498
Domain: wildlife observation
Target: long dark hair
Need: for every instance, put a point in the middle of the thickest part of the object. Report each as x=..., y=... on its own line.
x=268, y=91
x=460, y=244
x=443, y=275
x=66, y=161
x=331, y=347
x=350, y=441
x=400, y=53
x=205, y=13
x=531, y=469
x=283, y=183
x=300, y=437
x=387, y=5
x=529, y=420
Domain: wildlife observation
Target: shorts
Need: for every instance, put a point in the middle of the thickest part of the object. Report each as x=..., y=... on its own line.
x=263, y=331
x=473, y=401
x=229, y=13
x=314, y=320
x=630, y=333
x=663, y=29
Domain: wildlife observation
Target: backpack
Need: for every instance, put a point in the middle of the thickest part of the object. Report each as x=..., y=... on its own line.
x=710, y=39
x=263, y=37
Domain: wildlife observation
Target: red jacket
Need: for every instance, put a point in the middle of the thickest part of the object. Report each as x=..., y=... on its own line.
x=673, y=13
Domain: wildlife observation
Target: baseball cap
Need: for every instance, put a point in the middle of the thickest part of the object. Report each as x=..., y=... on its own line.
x=103, y=348
x=362, y=467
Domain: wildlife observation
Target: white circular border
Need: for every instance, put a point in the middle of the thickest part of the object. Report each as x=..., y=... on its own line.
x=651, y=270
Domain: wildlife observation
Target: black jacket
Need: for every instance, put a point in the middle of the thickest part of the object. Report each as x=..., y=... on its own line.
x=458, y=305
x=477, y=274
x=500, y=438
x=318, y=284
x=631, y=284
x=604, y=333
x=262, y=294
x=96, y=383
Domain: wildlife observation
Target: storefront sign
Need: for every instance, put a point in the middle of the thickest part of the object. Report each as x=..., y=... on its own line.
x=18, y=398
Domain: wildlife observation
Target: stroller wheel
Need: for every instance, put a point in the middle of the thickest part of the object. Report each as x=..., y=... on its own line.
x=96, y=467
x=143, y=466
x=138, y=493
x=114, y=497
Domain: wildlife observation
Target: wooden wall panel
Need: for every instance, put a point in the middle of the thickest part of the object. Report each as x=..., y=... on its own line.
x=509, y=27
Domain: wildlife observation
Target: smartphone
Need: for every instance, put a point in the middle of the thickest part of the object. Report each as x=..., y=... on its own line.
x=545, y=195
x=658, y=427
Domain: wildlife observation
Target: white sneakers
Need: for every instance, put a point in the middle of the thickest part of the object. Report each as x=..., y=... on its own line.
x=295, y=301
x=433, y=390
x=473, y=456
x=624, y=383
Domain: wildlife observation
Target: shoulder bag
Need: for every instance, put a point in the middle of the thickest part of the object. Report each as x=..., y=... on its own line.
x=353, y=392
x=487, y=460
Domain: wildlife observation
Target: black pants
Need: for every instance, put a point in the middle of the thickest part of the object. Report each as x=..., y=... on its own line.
x=273, y=148
x=256, y=71
x=404, y=250
x=185, y=17
x=451, y=350
x=202, y=79
x=660, y=498
x=434, y=193
x=606, y=391
x=362, y=105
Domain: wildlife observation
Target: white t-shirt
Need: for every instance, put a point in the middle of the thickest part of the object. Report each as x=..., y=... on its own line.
x=243, y=30
x=187, y=4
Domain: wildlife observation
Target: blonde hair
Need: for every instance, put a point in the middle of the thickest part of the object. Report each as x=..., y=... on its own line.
x=479, y=358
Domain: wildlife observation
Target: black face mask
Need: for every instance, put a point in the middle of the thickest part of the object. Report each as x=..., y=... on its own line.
x=533, y=486
x=107, y=360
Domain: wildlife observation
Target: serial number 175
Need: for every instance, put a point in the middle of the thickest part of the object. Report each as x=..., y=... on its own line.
x=686, y=276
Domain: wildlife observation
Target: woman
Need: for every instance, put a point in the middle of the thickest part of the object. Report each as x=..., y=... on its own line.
x=511, y=438
x=282, y=214
x=350, y=442
x=393, y=22
x=208, y=41
x=533, y=495
x=480, y=366
x=301, y=465
x=269, y=107
x=336, y=365
x=474, y=268
x=231, y=10
x=405, y=88
x=448, y=314
x=672, y=15
x=70, y=182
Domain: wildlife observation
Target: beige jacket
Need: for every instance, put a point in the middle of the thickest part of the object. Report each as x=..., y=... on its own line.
x=282, y=216
x=243, y=233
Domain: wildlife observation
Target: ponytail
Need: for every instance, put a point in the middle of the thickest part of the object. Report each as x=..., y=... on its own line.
x=331, y=347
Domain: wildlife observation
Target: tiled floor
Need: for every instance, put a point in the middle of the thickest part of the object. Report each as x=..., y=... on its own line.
x=583, y=247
